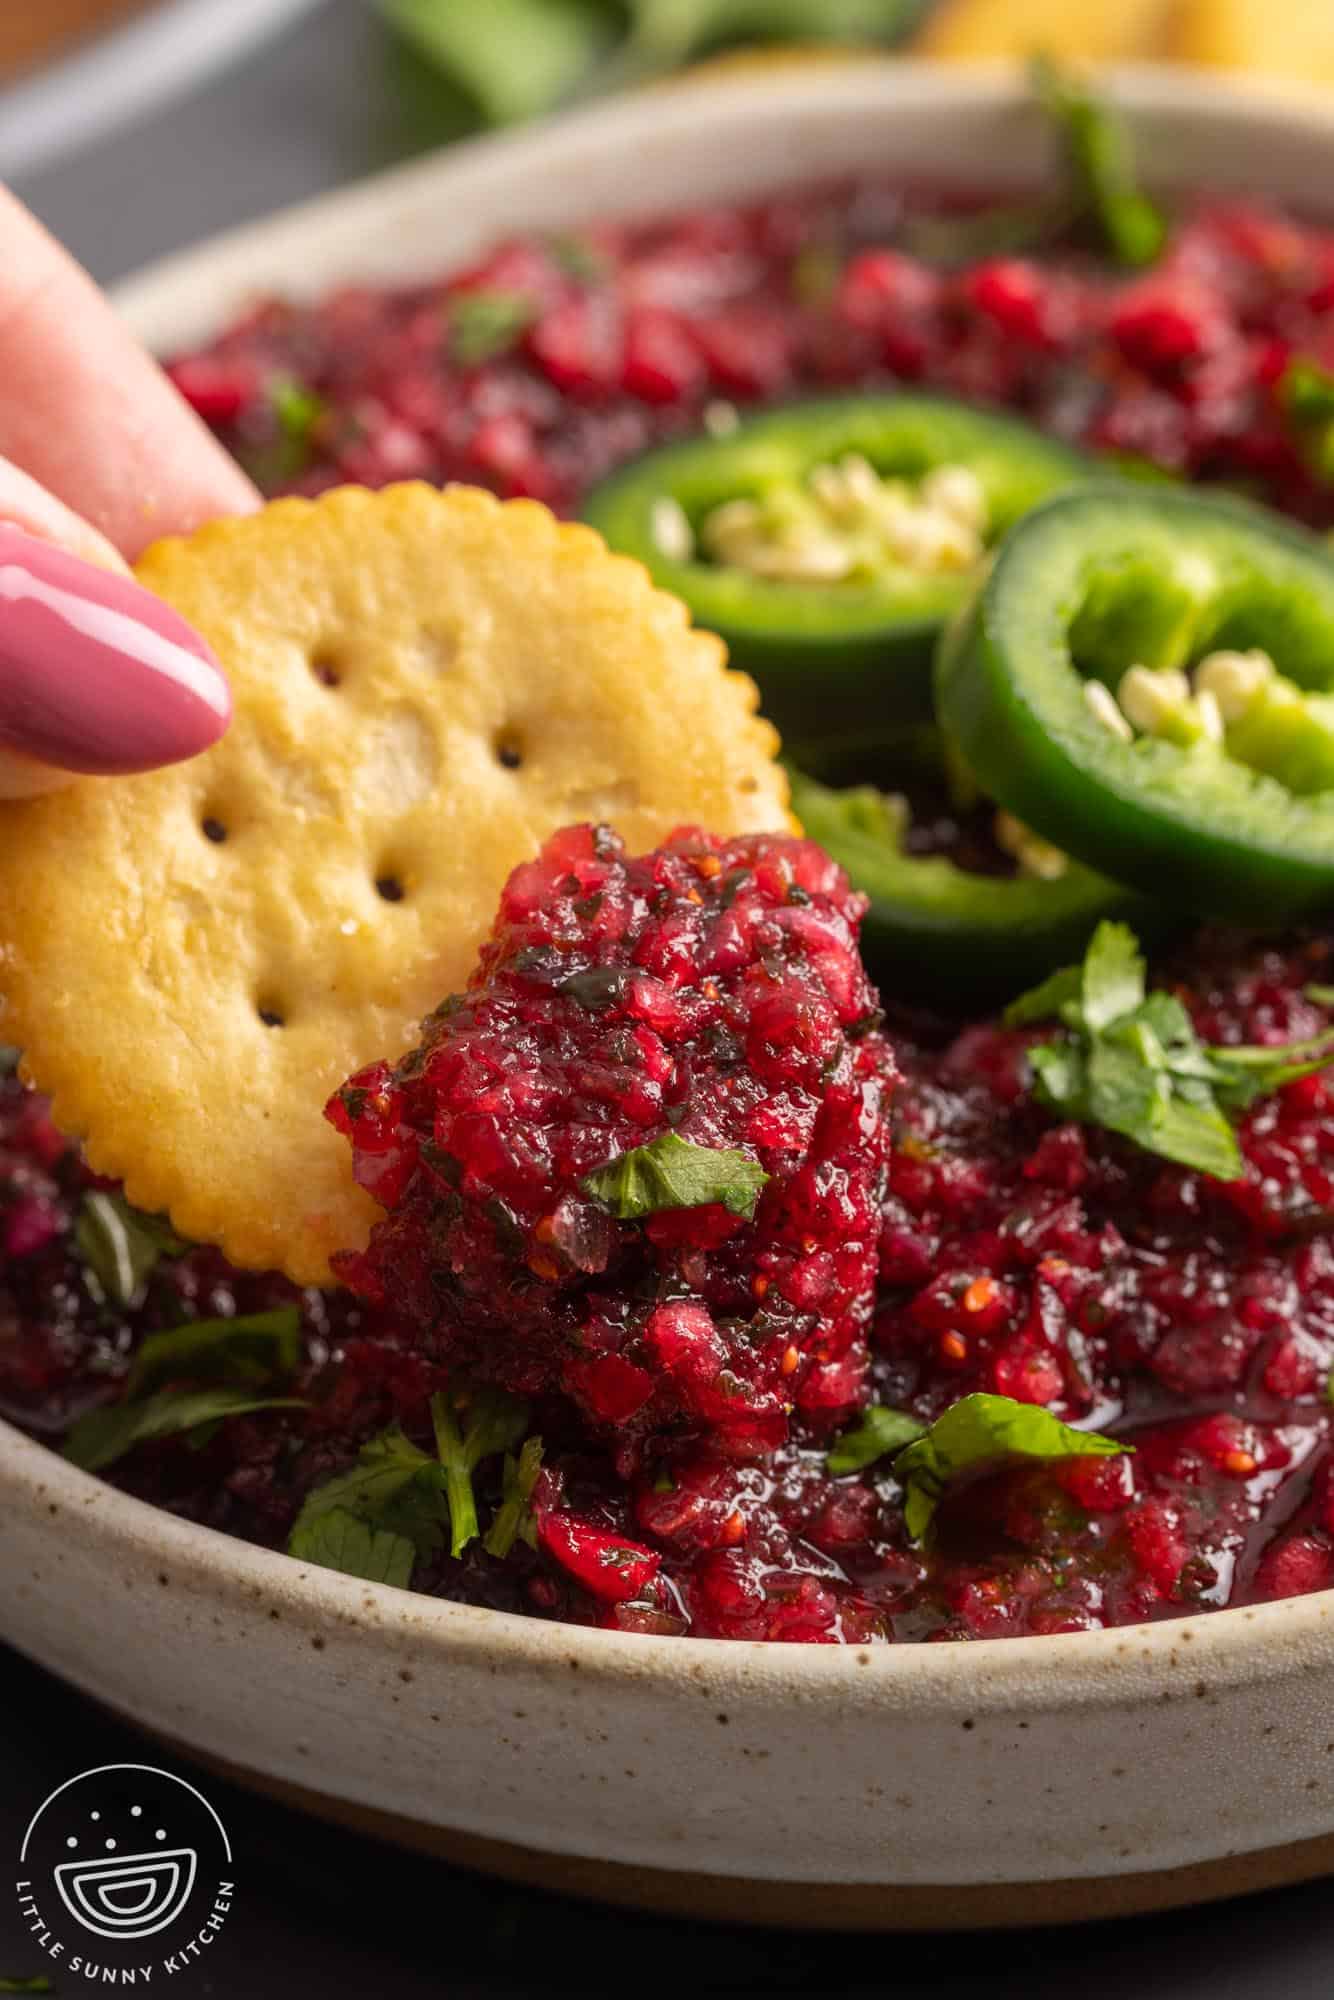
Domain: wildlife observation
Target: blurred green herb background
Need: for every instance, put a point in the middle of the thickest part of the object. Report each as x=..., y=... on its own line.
x=505, y=60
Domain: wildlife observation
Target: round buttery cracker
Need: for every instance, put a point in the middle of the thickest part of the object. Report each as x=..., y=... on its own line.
x=426, y=685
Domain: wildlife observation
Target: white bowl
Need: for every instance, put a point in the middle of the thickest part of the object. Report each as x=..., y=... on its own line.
x=995, y=1782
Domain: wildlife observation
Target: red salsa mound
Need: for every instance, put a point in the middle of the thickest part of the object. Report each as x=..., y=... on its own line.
x=652, y=1392
x=568, y=1158
x=553, y=359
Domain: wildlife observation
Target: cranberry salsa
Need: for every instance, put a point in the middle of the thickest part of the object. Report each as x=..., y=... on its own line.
x=729, y=1284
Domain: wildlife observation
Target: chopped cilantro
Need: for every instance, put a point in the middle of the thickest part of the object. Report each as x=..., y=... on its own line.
x=38, y=1984
x=102, y=1436
x=253, y=1347
x=405, y=1503
x=491, y=1422
x=1307, y=390
x=1306, y=395
x=485, y=324
x=391, y=1491
x=877, y=1433
x=980, y=1431
x=1132, y=1062
x=297, y=408
x=513, y=59
x=339, y=1539
x=514, y=1517
x=508, y=59
x=579, y=259
x=672, y=1172
x=9, y=1062
x=1101, y=159
x=297, y=413
x=120, y=1247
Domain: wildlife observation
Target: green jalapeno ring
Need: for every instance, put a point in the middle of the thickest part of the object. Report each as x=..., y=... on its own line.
x=834, y=657
x=935, y=930
x=1090, y=583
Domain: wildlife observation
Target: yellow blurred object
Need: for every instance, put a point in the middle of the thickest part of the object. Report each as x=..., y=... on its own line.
x=1295, y=39
x=762, y=60
x=1068, y=30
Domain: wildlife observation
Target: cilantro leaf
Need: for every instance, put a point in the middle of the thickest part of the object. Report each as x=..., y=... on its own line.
x=491, y=1422
x=338, y=1539
x=1132, y=1062
x=253, y=1347
x=579, y=257
x=393, y=1491
x=102, y=1436
x=120, y=1247
x=514, y=1517
x=981, y=1431
x=1112, y=979
x=877, y=1432
x=297, y=409
x=511, y=59
x=1048, y=1001
x=1305, y=393
x=1108, y=983
x=1307, y=390
x=672, y=1172
x=1241, y=1074
x=9, y=1062
x=485, y=324
x=1101, y=157
x=385, y=1466
x=399, y=1491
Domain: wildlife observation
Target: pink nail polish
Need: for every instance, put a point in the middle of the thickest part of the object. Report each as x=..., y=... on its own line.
x=96, y=674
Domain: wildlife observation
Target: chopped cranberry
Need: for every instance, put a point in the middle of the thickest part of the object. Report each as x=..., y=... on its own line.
x=662, y=362
x=602, y=1562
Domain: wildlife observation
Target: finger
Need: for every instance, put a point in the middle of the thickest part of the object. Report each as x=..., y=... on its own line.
x=88, y=413
x=25, y=504
x=97, y=675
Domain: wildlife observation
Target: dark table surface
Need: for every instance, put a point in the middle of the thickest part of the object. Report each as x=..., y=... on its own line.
x=318, y=1912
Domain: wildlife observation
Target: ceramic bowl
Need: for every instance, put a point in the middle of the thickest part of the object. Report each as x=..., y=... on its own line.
x=996, y=1782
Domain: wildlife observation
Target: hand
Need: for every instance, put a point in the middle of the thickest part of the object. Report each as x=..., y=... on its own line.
x=98, y=457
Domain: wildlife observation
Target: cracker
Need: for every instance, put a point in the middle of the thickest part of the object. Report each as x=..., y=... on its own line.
x=426, y=685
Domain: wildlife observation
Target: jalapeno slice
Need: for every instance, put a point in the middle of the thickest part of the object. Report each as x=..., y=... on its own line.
x=935, y=929
x=828, y=542
x=1145, y=678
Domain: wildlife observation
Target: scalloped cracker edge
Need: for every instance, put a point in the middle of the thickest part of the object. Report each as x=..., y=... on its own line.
x=426, y=685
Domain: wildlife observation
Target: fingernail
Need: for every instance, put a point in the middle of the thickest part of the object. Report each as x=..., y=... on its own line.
x=96, y=674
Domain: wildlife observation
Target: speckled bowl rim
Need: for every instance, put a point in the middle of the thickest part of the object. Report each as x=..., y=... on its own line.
x=1271, y=1642
x=1228, y=1648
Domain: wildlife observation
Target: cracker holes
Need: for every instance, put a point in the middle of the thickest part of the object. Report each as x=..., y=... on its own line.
x=508, y=748
x=213, y=829
x=389, y=887
x=271, y=1012
x=326, y=667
